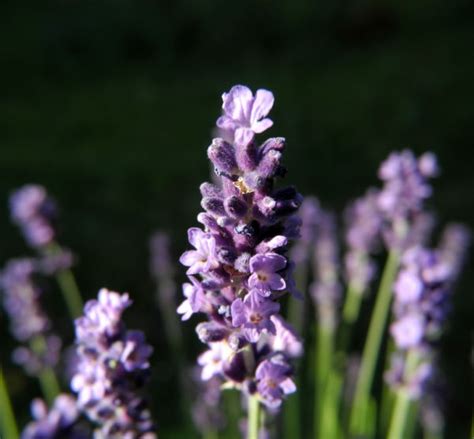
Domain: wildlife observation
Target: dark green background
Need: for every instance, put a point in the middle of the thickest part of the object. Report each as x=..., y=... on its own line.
x=110, y=105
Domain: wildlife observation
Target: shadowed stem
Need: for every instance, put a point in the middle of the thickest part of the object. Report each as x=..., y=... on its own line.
x=46, y=376
x=372, y=345
x=8, y=425
x=253, y=417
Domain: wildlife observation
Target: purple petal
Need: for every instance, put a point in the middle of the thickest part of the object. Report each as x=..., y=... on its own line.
x=237, y=103
x=276, y=282
x=262, y=105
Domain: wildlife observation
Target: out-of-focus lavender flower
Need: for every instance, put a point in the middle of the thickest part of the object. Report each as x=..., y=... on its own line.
x=113, y=367
x=28, y=322
x=454, y=244
x=21, y=300
x=239, y=268
x=244, y=113
x=206, y=409
x=33, y=362
x=363, y=227
x=58, y=422
x=34, y=212
x=326, y=289
x=422, y=293
x=401, y=199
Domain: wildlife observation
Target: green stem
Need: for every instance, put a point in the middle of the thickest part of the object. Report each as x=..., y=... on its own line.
x=253, y=417
x=47, y=377
x=323, y=361
x=8, y=425
x=67, y=283
x=372, y=346
x=350, y=312
x=401, y=409
x=70, y=291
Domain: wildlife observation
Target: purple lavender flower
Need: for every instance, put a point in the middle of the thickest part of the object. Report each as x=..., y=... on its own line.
x=203, y=258
x=58, y=422
x=421, y=302
x=239, y=268
x=285, y=340
x=195, y=299
x=253, y=315
x=113, y=366
x=244, y=114
x=21, y=300
x=363, y=226
x=408, y=331
x=273, y=381
x=264, y=278
x=34, y=212
x=405, y=189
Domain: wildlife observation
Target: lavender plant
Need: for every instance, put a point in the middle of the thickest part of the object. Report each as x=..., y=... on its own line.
x=239, y=268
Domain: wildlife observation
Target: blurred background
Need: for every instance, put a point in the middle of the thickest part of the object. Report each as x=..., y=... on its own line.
x=110, y=105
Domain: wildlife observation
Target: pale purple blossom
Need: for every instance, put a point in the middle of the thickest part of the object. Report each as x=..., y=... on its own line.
x=253, y=315
x=195, y=299
x=274, y=382
x=203, y=258
x=245, y=114
x=264, y=278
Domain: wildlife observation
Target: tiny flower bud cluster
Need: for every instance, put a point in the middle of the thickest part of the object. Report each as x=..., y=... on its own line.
x=239, y=268
x=113, y=366
x=34, y=212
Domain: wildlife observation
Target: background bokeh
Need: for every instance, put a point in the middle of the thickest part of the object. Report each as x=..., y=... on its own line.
x=110, y=104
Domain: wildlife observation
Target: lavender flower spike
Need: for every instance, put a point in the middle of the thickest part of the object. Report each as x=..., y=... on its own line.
x=240, y=268
x=113, y=367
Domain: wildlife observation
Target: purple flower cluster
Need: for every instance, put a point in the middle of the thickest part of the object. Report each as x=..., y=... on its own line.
x=400, y=201
x=238, y=267
x=34, y=212
x=57, y=423
x=28, y=322
x=21, y=300
x=363, y=224
x=113, y=365
x=421, y=302
x=326, y=289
